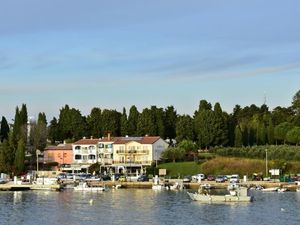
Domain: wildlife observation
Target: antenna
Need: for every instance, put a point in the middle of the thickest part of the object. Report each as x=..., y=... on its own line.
x=265, y=98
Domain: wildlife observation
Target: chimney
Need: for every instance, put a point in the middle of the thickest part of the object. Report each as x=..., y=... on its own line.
x=108, y=136
x=91, y=137
x=83, y=138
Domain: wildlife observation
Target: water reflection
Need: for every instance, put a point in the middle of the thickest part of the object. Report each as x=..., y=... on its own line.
x=142, y=207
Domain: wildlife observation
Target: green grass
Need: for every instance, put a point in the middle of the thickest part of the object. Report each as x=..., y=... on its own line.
x=228, y=165
x=180, y=169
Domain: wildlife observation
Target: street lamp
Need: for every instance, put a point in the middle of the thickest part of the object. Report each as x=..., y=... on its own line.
x=266, y=162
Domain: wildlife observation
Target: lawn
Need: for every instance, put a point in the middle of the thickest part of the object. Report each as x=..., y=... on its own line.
x=180, y=169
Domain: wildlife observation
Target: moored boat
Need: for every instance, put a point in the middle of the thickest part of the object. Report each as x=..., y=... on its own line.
x=271, y=189
x=85, y=187
x=236, y=194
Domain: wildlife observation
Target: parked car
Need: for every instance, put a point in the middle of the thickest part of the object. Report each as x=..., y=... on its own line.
x=105, y=177
x=235, y=178
x=211, y=177
x=62, y=176
x=143, y=178
x=187, y=179
x=198, y=177
x=221, y=178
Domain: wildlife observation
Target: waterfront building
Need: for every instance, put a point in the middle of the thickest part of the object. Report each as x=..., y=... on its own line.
x=128, y=155
x=85, y=153
x=59, y=157
x=133, y=154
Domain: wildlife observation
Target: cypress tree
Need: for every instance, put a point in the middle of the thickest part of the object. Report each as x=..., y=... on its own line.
x=4, y=129
x=124, y=123
x=133, y=121
x=20, y=157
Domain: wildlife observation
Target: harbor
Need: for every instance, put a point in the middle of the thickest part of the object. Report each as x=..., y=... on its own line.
x=11, y=186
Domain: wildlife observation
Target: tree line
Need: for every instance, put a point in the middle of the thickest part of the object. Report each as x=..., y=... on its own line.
x=208, y=127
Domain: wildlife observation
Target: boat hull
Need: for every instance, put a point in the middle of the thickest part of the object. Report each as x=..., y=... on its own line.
x=218, y=198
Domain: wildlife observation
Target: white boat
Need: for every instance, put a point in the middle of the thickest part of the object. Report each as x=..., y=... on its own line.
x=239, y=194
x=84, y=187
x=158, y=187
x=271, y=189
x=282, y=190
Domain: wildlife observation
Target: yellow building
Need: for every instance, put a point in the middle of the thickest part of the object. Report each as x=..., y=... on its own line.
x=132, y=154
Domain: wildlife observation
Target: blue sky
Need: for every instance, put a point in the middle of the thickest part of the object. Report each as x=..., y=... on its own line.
x=119, y=53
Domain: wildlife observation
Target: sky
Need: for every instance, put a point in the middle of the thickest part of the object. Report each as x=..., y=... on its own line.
x=118, y=53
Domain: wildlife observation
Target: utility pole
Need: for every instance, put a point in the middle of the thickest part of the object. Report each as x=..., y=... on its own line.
x=266, y=162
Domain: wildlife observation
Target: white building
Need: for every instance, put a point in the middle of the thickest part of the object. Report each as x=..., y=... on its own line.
x=120, y=154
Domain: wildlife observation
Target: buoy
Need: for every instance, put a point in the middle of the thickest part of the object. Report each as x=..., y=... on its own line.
x=91, y=202
x=282, y=209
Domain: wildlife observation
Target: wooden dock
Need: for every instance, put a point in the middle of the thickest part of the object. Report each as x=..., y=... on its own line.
x=10, y=186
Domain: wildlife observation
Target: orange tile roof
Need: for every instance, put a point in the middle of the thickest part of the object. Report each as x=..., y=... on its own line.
x=84, y=141
x=141, y=140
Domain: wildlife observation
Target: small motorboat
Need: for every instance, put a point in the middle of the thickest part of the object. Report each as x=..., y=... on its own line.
x=85, y=187
x=271, y=189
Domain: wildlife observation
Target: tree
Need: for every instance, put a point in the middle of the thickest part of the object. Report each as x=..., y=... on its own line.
x=173, y=154
x=24, y=120
x=220, y=126
x=184, y=128
x=133, y=121
x=124, y=123
x=293, y=136
x=111, y=122
x=238, y=141
x=38, y=134
x=146, y=123
x=188, y=146
x=296, y=102
x=170, y=122
x=270, y=132
x=4, y=129
x=204, y=128
x=20, y=157
x=16, y=135
x=53, y=131
x=71, y=124
x=94, y=123
x=281, y=130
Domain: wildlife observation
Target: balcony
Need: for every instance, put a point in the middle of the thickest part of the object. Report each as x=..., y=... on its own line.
x=132, y=163
x=133, y=152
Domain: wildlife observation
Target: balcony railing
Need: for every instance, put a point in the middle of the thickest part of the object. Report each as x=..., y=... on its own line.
x=134, y=152
x=128, y=163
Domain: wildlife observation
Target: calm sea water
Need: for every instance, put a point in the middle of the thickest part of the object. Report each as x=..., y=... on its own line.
x=137, y=206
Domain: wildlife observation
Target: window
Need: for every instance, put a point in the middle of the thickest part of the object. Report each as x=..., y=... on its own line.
x=77, y=157
x=91, y=147
x=77, y=147
x=84, y=157
x=92, y=157
x=101, y=145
